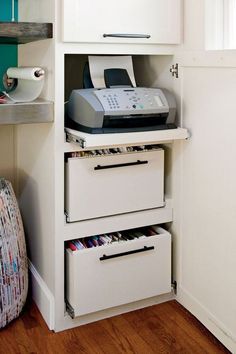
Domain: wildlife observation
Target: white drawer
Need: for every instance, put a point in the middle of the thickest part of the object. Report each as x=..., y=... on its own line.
x=109, y=276
x=110, y=185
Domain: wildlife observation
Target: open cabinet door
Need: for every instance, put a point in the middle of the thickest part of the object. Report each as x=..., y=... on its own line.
x=207, y=227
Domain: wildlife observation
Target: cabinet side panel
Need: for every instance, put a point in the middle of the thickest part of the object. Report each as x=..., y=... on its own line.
x=36, y=11
x=36, y=195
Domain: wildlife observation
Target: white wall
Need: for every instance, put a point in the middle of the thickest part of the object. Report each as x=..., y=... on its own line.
x=7, y=149
x=194, y=25
x=36, y=11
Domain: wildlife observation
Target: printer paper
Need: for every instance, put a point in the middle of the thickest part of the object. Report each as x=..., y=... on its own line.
x=98, y=64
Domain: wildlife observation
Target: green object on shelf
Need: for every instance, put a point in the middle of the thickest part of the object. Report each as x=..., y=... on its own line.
x=8, y=53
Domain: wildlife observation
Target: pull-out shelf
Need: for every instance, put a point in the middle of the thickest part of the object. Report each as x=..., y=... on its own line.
x=85, y=140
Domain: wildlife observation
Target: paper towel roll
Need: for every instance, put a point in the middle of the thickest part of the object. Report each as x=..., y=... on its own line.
x=30, y=83
x=26, y=73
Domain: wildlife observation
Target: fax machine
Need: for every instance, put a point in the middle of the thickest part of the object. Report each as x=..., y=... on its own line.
x=121, y=109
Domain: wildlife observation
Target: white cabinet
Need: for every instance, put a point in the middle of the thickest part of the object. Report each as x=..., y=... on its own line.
x=200, y=175
x=111, y=21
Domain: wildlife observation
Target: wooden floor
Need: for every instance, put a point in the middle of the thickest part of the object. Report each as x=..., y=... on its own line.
x=165, y=328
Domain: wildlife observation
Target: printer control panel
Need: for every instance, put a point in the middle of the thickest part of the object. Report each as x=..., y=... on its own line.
x=135, y=99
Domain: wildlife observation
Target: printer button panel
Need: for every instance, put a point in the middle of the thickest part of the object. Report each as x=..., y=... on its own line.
x=138, y=99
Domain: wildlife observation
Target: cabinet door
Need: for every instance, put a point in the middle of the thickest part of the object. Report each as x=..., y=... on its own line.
x=151, y=21
x=207, y=243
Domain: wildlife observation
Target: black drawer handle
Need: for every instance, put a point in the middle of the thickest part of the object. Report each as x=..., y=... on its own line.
x=126, y=35
x=99, y=167
x=117, y=255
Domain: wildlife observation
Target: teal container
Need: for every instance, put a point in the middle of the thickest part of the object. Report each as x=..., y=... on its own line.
x=8, y=53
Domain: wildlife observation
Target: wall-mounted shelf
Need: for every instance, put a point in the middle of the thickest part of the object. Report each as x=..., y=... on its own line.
x=39, y=111
x=24, y=32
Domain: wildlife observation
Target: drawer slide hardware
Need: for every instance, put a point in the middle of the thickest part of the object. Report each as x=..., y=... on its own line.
x=70, y=310
x=174, y=286
x=70, y=138
x=117, y=255
x=99, y=167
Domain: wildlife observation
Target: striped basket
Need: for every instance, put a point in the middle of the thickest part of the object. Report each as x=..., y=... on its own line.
x=13, y=258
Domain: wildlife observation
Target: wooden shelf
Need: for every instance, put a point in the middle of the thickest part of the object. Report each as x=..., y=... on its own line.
x=39, y=111
x=24, y=32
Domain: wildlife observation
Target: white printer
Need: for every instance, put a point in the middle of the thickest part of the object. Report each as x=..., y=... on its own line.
x=115, y=110
x=119, y=107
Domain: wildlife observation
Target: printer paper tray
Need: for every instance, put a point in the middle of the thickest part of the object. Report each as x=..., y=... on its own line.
x=86, y=140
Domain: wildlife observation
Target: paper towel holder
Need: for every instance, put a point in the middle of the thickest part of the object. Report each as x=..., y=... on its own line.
x=11, y=83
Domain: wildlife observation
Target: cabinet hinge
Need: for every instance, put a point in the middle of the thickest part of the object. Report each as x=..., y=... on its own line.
x=175, y=70
x=174, y=286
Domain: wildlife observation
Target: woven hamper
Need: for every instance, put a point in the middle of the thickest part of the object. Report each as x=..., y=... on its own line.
x=13, y=258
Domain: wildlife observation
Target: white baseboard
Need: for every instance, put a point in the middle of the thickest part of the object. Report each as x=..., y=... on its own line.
x=42, y=296
x=207, y=319
x=45, y=303
x=67, y=322
x=44, y=300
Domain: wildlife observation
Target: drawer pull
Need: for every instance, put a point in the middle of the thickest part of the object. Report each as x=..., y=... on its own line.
x=99, y=167
x=117, y=255
x=126, y=35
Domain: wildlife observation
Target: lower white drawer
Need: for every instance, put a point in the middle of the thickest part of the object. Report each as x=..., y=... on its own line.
x=121, y=273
